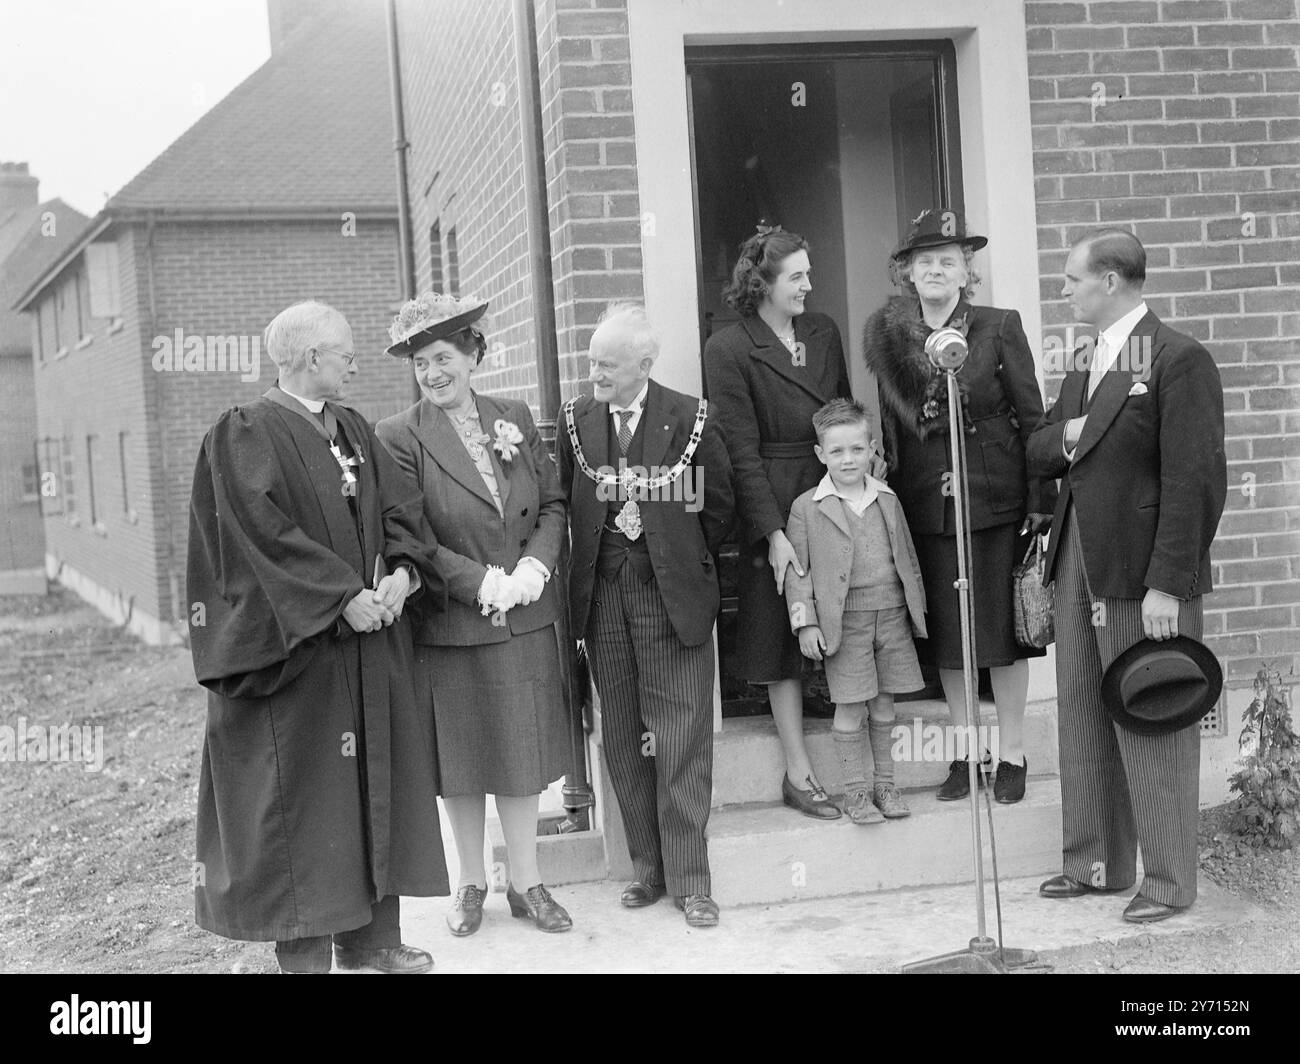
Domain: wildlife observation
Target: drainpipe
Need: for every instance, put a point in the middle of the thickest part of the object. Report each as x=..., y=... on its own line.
x=579, y=800
x=405, y=244
x=178, y=612
x=539, y=225
x=400, y=145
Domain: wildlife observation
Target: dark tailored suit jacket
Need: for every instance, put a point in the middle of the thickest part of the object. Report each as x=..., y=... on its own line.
x=1002, y=403
x=1149, y=476
x=764, y=402
x=470, y=534
x=681, y=543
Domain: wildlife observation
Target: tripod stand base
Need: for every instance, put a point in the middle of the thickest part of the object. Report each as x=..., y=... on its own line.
x=981, y=957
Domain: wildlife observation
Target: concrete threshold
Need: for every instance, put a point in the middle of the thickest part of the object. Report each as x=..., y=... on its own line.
x=876, y=932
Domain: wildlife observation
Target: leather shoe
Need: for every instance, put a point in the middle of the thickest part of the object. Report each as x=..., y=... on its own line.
x=537, y=904
x=638, y=894
x=1009, y=787
x=1142, y=910
x=957, y=785
x=467, y=912
x=812, y=802
x=393, y=960
x=700, y=910
x=1064, y=887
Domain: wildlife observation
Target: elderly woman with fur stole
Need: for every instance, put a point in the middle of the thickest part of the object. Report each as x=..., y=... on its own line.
x=1002, y=405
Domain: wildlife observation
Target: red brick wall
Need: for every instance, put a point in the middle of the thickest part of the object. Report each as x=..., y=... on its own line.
x=1180, y=121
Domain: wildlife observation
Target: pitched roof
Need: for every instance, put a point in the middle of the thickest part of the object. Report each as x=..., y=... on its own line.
x=27, y=249
x=310, y=129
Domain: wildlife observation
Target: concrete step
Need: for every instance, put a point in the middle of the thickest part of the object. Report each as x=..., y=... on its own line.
x=767, y=853
x=748, y=763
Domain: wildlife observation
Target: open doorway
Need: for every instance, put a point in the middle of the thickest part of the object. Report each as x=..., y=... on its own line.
x=843, y=144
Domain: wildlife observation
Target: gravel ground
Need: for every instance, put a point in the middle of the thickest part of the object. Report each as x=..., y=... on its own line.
x=95, y=865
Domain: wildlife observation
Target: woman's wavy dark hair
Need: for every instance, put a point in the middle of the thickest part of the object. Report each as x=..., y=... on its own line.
x=758, y=266
x=470, y=342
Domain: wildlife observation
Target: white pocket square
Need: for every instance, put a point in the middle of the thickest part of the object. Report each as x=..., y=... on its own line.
x=1138, y=389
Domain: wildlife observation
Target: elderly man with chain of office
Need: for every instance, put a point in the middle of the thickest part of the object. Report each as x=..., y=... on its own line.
x=1137, y=439
x=635, y=460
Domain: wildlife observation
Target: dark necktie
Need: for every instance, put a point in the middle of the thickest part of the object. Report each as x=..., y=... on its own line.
x=624, y=430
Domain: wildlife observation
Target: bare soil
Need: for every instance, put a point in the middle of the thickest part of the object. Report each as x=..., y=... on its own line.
x=95, y=865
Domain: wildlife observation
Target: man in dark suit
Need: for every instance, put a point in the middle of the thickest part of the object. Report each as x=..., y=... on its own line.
x=649, y=487
x=1137, y=438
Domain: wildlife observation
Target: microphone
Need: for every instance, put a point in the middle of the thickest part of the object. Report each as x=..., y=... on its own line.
x=946, y=349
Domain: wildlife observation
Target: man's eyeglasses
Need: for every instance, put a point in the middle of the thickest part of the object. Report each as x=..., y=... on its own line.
x=348, y=356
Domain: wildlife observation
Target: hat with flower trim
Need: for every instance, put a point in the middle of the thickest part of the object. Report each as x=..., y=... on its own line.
x=433, y=316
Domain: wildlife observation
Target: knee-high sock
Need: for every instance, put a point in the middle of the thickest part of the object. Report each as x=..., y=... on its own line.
x=848, y=747
x=881, y=747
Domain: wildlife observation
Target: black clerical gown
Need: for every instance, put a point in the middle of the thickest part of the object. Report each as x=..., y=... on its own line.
x=316, y=792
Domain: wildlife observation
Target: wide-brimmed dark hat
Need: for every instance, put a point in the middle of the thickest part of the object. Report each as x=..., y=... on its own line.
x=1161, y=686
x=429, y=317
x=935, y=228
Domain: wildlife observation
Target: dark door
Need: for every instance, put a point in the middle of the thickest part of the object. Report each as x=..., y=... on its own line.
x=839, y=143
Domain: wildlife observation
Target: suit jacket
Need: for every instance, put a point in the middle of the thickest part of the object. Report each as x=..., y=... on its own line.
x=819, y=531
x=1001, y=402
x=681, y=542
x=765, y=404
x=1149, y=478
x=470, y=533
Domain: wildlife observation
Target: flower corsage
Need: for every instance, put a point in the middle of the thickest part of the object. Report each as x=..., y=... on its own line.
x=508, y=439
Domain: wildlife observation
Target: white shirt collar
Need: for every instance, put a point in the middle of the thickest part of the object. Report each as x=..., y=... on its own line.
x=1117, y=333
x=827, y=487
x=635, y=405
x=314, y=405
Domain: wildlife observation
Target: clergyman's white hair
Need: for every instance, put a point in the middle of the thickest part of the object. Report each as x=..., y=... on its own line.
x=643, y=338
x=296, y=330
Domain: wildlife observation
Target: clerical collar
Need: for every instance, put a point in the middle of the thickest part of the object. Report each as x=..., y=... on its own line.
x=636, y=404
x=314, y=405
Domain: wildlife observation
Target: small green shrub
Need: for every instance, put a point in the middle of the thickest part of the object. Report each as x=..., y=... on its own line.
x=1267, y=812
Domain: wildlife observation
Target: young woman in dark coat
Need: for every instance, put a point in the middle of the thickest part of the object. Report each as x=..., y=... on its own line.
x=768, y=374
x=1002, y=406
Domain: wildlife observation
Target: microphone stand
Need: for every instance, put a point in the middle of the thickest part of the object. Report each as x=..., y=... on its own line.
x=947, y=350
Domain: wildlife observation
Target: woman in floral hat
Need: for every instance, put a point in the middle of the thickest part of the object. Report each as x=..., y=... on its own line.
x=489, y=663
x=1002, y=406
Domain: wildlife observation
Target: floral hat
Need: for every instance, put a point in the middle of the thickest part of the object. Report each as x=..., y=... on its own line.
x=433, y=316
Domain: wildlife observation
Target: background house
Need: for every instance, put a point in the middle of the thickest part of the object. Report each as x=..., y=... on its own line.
x=283, y=191
x=32, y=235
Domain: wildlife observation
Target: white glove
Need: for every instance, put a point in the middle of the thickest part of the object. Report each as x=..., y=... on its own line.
x=498, y=592
x=528, y=574
x=508, y=593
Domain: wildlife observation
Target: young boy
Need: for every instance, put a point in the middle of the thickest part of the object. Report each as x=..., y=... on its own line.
x=858, y=604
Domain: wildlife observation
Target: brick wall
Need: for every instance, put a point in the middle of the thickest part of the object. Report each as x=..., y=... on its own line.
x=465, y=167
x=97, y=390
x=1181, y=121
x=231, y=279
x=588, y=133
x=22, y=543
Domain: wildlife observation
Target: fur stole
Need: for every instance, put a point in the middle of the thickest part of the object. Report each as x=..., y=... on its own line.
x=912, y=390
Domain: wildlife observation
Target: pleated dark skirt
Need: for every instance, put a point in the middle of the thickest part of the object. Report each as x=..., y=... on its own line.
x=499, y=714
x=995, y=551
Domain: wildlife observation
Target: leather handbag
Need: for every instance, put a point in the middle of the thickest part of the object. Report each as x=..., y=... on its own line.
x=1032, y=601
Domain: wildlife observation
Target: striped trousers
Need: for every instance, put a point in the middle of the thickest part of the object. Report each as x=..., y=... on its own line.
x=656, y=699
x=1119, y=790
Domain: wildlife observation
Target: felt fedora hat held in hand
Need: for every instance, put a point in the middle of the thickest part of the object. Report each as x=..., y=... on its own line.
x=1161, y=686
x=934, y=228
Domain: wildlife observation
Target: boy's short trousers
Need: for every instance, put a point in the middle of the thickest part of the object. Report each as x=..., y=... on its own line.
x=875, y=654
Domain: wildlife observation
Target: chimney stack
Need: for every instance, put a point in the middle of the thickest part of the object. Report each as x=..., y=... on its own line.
x=17, y=186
